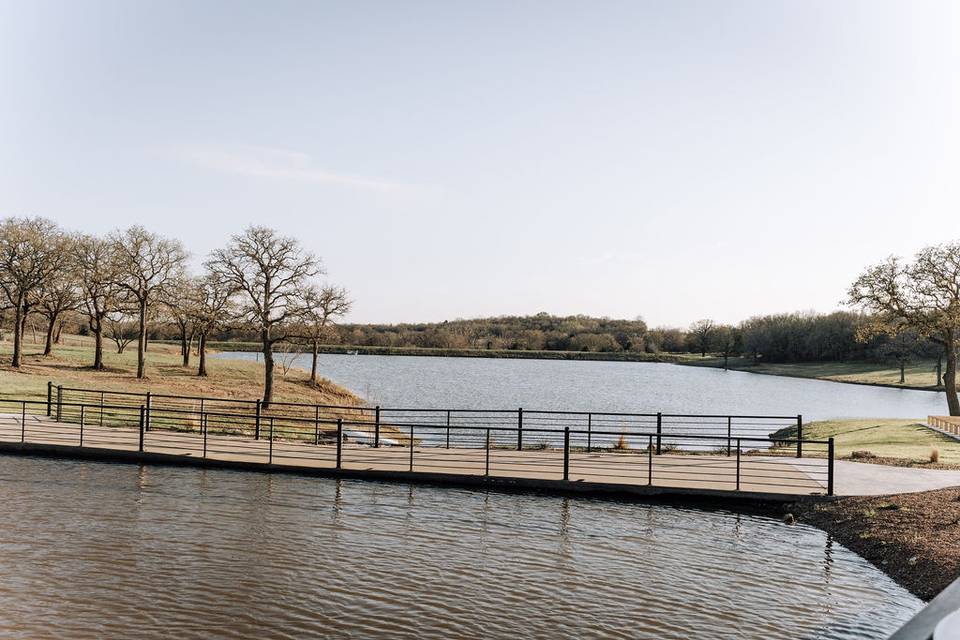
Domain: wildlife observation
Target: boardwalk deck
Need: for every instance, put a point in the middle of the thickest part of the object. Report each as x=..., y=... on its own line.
x=707, y=473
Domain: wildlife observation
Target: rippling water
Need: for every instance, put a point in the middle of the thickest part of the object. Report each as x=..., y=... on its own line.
x=92, y=550
x=583, y=385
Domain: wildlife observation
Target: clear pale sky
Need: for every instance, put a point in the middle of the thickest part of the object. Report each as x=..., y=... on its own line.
x=674, y=160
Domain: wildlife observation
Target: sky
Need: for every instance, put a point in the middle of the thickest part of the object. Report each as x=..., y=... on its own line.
x=671, y=160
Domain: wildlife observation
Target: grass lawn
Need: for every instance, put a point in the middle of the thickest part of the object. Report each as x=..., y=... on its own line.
x=901, y=442
x=921, y=374
x=70, y=362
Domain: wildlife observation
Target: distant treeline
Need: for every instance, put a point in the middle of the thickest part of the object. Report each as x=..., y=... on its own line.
x=787, y=337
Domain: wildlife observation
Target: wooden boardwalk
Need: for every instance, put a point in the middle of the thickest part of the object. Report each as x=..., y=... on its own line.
x=758, y=474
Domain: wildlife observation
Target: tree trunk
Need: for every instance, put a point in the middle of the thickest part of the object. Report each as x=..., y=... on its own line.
x=202, y=348
x=313, y=365
x=17, y=335
x=725, y=362
x=902, y=378
x=939, y=370
x=185, y=346
x=142, y=339
x=950, y=378
x=267, y=368
x=48, y=343
x=97, y=346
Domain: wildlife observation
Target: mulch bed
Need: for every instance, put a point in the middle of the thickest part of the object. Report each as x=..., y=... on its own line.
x=912, y=537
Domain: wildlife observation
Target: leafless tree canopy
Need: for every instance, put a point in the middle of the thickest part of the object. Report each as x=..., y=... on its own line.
x=32, y=252
x=269, y=273
x=320, y=307
x=146, y=266
x=702, y=333
x=98, y=286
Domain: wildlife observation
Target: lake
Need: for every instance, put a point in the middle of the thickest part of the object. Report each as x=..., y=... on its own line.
x=110, y=550
x=583, y=385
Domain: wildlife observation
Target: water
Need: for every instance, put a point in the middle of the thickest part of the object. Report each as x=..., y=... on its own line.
x=108, y=550
x=581, y=385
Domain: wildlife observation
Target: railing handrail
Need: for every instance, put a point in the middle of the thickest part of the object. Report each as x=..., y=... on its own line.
x=159, y=411
x=305, y=405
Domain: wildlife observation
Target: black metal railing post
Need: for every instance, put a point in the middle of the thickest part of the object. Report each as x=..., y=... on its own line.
x=448, y=428
x=143, y=411
x=729, y=433
x=411, y=447
x=316, y=427
x=256, y=419
x=650, y=460
x=830, y=466
x=376, y=426
x=81, y=424
x=49, y=397
x=147, y=422
x=339, y=441
x=738, y=464
x=23, y=421
x=101, y=408
x=566, y=453
x=205, y=423
x=59, y=401
x=520, y=429
x=589, y=431
x=270, y=455
x=799, y=436
x=659, y=430
x=486, y=470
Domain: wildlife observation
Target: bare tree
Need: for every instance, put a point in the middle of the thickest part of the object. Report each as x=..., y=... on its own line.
x=211, y=310
x=319, y=307
x=122, y=328
x=58, y=295
x=146, y=265
x=94, y=269
x=728, y=340
x=923, y=295
x=269, y=272
x=31, y=252
x=180, y=301
x=701, y=332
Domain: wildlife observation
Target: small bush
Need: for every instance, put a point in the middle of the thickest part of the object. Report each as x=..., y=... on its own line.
x=934, y=455
x=622, y=444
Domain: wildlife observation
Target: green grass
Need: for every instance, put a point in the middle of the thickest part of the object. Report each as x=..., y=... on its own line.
x=908, y=441
x=921, y=374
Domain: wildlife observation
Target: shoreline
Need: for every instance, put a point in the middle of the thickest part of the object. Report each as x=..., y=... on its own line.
x=911, y=537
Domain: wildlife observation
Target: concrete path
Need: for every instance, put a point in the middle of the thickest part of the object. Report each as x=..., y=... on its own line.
x=865, y=479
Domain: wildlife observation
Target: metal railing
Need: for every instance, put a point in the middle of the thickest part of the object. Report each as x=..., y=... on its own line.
x=527, y=423
x=550, y=445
